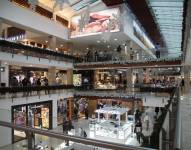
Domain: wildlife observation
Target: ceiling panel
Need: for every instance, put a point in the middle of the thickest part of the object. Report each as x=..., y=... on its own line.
x=168, y=15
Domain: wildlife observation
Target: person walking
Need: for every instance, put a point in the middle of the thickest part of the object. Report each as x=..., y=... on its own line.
x=65, y=129
x=146, y=120
x=138, y=131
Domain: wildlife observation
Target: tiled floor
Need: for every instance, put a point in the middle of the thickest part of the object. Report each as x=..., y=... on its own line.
x=185, y=107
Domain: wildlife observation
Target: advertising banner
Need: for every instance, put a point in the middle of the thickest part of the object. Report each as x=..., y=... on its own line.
x=95, y=23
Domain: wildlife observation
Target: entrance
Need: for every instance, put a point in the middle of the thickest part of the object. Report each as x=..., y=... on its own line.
x=37, y=115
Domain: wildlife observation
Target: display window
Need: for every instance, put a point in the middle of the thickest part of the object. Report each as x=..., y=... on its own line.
x=62, y=110
x=109, y=79
x=36, y=115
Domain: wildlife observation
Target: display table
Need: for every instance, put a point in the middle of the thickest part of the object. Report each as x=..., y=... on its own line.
x=112, y=131
x=114, y=111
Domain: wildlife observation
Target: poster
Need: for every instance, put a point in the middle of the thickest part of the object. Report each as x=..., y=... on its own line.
x=95, y=23
x=77, y=79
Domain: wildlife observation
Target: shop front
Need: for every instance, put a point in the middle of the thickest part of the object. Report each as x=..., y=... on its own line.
x=36, y=115
x=109, y=79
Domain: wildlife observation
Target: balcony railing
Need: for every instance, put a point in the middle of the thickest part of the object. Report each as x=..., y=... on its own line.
x=26, y=91
x=130, y=63
x=15, y=48
x=41, y=11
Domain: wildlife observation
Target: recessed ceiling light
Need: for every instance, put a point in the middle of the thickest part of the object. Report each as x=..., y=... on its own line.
x=56, y=49
x=30, y=65
x=61, y=45
x=87, y=48
x=98, y=41
x=46, y=41
x=115, y=39
x=108, y=46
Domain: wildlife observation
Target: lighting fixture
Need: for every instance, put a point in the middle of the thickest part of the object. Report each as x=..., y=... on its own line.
x=98, y=41
x=115, y=39
x=46, y=41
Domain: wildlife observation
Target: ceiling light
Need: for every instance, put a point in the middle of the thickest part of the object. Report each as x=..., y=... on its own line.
x=87, y=48
x=115, y=39
x=61, y=45
x=5, y=63
x=56, y=49
x=46, y=41
x=108, y=46
x=98, y=41
x=30, y=65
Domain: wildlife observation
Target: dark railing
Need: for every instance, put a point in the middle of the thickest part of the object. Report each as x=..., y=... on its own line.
x=76, y=139
x=43, y=12
x=62, y=20
x=16, y=48
x=4, y=90
x=163, y=136
x=157, y=89
x=23, y=3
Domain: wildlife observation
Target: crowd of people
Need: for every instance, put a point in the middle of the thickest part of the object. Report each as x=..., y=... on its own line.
x=28, y=81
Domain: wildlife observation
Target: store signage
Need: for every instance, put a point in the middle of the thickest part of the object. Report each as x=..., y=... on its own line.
x=95, y=23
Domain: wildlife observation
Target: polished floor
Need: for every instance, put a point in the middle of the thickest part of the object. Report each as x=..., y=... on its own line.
x=185, y=107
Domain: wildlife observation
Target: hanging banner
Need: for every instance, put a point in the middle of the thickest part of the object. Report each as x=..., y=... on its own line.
x=95, y=23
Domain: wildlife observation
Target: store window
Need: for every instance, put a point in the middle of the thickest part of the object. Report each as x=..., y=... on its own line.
x=37, y=115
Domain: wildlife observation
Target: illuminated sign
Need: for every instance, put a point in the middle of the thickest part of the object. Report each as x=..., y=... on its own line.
x=95, y=23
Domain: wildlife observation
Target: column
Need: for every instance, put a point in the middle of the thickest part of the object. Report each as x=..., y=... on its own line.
x=126, y=117
x=69, y=77
x=52, y=43
x=1, y=28
x=54, y=113
x=4, y=75
x=186, y=79
x=52, y=75
x=129, y=79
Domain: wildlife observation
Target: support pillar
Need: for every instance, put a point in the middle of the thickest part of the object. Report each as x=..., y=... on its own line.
x=186, y=79
x=69, y=77
x=52, y=75
x=129, y=79
x=52, y=43
x=1, y=28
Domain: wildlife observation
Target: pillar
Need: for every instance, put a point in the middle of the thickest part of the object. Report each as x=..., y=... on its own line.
x=69, y=77
x=1, y=28
x=52, y=75
x=129, y=79
x=52, y=43
x=187, y=78
x=4, y=75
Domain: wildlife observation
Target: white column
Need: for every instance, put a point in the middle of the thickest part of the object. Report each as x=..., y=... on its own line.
x=119, y=119
x=187, y=79
x=126, y=116
x=1, y=28
x=54, y=113
x=52, y=43
x=5, y=74
x=98, y=116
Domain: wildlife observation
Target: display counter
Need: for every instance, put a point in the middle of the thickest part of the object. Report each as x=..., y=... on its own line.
x=112, y=130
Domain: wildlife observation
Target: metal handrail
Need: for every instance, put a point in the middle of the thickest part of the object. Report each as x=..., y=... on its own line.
x=77, y=139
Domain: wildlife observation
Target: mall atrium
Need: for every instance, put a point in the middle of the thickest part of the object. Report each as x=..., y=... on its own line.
x=95, y=74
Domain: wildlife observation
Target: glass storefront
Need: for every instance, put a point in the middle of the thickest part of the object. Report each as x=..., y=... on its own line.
x=37, y=115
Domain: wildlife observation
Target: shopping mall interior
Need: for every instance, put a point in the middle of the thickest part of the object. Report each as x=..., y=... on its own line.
x=95, y=74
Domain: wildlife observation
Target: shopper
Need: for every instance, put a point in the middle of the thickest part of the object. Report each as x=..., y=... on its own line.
x=86, y=111
x=138, y=130
x=146, y=120
x=46, y=84
x=65, y=129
